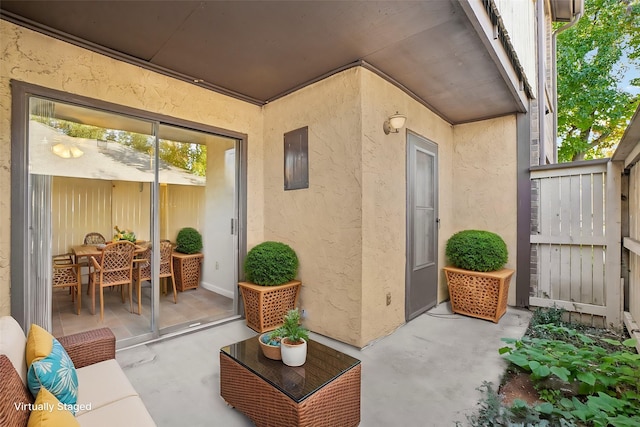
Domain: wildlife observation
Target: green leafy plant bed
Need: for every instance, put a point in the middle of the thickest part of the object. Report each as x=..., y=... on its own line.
x=567, y=375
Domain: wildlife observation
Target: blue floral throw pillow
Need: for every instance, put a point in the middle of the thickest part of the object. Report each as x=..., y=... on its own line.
x=52, y=370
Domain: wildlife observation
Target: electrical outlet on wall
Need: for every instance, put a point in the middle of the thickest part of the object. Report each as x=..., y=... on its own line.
x=303, y=313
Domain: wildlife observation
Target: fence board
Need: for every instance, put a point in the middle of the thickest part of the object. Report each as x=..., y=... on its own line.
x=586, y=228
x=544, y=281
x=575, y=206
x=549, y=218
x=569, y=240
x=586, y=275
x=598, y=204
x=575, y=285
x=633, y=243
x=598, y=275
x=554, y=271
x=565, y=206
x=565, y=274
x=598, y=310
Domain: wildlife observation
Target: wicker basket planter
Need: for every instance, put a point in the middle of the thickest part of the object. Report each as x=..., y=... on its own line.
x=265, y=306
x=187, y=270
x=478, y=294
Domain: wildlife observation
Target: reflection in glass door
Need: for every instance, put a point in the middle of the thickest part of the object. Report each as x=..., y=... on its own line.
x=89, y=179
x=107, y=174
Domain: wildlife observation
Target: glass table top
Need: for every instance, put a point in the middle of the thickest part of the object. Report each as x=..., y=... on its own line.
x=323, y=365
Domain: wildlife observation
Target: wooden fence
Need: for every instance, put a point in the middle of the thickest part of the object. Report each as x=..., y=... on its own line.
x=575, y=241
x=632, y=244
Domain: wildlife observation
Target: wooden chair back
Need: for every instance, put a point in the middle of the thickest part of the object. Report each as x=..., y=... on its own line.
x=166, y=266
x=142, y=269
x=66, y=274
x=94, y=239
x=116, y=264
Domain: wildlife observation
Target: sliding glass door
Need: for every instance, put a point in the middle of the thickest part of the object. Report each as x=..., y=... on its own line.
x=105, y=173
x=197, y=182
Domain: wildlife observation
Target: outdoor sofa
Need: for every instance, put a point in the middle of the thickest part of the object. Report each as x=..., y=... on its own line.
x=105, y=397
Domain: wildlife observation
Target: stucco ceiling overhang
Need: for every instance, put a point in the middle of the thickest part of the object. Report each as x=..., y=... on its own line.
x=441, y=52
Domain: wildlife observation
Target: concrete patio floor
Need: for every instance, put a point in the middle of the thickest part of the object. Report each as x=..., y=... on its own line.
x=424, y=374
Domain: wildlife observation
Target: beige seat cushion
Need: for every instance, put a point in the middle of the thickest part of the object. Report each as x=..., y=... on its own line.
x=13, y=343
x=129, y=411
x=102, y=384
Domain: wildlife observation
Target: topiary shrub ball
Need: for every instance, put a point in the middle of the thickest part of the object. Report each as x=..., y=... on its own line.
x=189, y=241
x=270, y=264
x=477, y=250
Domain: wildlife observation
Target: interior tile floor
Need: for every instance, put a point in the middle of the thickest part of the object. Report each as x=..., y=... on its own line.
x=193, y=305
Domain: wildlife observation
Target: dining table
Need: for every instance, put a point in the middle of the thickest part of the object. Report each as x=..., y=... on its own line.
x=87, y=251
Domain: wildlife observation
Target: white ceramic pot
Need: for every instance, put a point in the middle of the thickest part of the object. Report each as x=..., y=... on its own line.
x=293, y=355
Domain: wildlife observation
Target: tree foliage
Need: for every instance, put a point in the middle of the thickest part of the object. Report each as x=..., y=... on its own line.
x=593, y=111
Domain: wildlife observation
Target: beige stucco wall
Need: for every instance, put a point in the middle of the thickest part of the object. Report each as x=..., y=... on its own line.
x=34, y=58
x=323, y=223
x=349, y=227
x=384, y=203
x=484, y=172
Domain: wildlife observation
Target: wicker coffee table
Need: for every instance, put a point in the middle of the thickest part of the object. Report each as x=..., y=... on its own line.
x=325, y=391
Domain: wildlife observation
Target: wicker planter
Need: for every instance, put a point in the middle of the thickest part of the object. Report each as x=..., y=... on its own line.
x=187, y=270
x=478, y=294
x=265, y=306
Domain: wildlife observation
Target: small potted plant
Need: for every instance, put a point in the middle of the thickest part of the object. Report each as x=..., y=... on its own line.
x=293, y=343
x=270, y=345
x=187, y=259
x=270, y=290
x=124, y=235
x=478, y=283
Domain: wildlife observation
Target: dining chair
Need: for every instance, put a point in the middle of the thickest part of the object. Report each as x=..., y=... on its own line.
x=94, y=239
x=115, y=268
x=166, y=266
x=66, y=274
x=142, y=271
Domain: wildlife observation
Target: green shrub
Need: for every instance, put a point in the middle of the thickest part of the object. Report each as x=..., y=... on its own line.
x=189, y=241
x=477, y=250
x=270, y=264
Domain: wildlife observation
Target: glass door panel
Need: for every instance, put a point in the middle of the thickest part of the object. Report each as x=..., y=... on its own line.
x=90, y=171
x=197, y=189
x=113, y=176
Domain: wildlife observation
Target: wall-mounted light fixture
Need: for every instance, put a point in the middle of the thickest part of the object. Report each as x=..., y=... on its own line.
x=394, y=123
